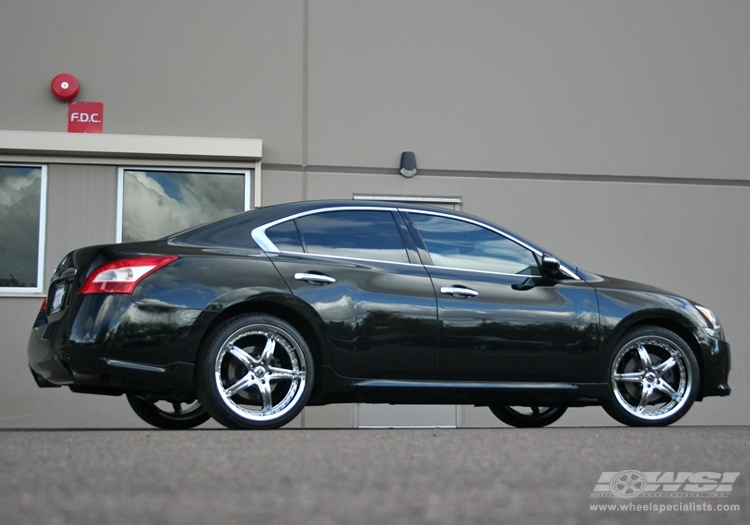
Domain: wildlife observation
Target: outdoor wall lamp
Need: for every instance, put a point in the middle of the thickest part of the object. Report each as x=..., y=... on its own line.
x=408, y=164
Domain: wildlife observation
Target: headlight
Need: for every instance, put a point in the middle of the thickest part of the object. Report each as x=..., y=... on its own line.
x=713, y=326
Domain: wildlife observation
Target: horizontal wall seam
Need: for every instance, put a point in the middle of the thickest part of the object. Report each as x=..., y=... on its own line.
x=557, y=177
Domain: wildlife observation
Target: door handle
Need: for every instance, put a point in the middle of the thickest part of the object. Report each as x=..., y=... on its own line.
x=314, y=278
x=458, y=291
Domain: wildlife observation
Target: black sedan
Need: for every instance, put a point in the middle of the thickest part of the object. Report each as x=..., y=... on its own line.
x=250, y=319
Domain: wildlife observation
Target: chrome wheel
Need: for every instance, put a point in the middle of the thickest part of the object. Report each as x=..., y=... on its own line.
x=653, y=378
x=169, y=415
x=527, y=416
x=256, y=374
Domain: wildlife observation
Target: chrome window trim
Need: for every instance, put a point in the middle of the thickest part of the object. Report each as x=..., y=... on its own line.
x=570, y=273
x=346, y=258
x=259, y=236
x=451, y=268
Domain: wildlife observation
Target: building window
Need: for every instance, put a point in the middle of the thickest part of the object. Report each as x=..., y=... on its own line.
x=23, y=193
x=153, y=203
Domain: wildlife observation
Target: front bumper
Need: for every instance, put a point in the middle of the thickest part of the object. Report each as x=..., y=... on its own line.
x=716, y=365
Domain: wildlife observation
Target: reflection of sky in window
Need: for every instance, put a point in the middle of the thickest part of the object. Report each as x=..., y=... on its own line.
x=432, y=223
x=20, y=189
x=157, y=203
x=458, y=244
x=168, y=183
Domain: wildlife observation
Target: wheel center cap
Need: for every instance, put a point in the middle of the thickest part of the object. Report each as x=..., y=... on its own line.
x=650, y=377
x=259, y=371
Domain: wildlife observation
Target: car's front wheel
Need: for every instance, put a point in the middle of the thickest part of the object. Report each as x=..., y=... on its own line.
x=254, y=372
x=653, y=378
x=166, y=414
x=527, y=417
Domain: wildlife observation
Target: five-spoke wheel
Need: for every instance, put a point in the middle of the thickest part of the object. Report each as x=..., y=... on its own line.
x=255, y=371
x=653, y=378
x=527, y=416
x=167, y=414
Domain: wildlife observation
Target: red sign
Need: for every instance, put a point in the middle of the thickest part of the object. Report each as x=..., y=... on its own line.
x=85, y=117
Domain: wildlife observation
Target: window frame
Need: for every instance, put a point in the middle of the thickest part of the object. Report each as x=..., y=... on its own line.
x=40, y=282
x=259, y=234
x=248, y=185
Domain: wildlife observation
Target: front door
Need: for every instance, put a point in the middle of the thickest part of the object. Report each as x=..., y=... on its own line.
x=499, y=319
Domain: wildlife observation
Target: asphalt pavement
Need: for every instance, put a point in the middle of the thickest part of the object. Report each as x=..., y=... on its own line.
x=394, y=476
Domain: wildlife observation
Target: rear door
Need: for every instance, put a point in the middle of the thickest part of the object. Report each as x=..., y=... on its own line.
x=357, y=270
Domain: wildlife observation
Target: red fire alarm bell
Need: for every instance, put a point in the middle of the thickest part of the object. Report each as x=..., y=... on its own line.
x=65, y=86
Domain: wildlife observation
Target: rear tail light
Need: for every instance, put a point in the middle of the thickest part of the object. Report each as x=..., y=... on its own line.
x=44, y=306
x=123, y=275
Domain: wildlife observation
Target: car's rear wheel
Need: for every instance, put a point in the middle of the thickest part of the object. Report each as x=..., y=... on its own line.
x=168, y=415
x=653, y=378
x=527, y=416
x=254, y=372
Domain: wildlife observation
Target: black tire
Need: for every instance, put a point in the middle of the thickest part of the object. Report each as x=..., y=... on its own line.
x=653, y=378
x=527, y=417
x=254, y=372
x=167, y=415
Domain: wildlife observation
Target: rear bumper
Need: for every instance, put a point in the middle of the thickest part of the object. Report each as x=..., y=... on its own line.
x=46, y=364
x=87, y=367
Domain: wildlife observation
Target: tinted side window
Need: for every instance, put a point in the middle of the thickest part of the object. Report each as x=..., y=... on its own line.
x=363, y=234
x=285, y=236
x=454, y=243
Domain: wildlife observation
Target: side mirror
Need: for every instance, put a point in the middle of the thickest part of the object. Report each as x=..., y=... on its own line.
x=550, y=266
